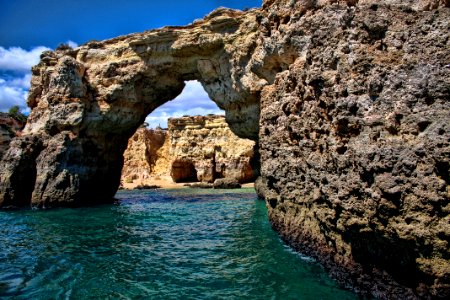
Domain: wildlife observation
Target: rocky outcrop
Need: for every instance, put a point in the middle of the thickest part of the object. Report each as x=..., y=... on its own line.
x=348, y=101
x=198, y=148
x=141, y=154
x=87, y=102
x=354, y=140
x=226, y=183
x=204, y=149
x=9, y=128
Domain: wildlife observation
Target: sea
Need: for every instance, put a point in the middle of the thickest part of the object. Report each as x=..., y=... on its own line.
x=156, y=244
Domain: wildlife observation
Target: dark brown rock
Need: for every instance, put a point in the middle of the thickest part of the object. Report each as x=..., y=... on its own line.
x=354, y=143
x=10, y=127
x=19, y=170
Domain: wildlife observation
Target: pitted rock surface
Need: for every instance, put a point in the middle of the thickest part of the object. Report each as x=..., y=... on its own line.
x=354, y=142
x=349, y=103
x=212, y=148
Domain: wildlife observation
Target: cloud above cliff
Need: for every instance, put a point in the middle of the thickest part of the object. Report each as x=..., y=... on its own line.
x=15, y=76
x=192, y=101
x=17, y=59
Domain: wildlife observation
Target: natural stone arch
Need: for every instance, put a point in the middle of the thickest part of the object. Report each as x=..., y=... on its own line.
x=87, y=102
x=354, y=126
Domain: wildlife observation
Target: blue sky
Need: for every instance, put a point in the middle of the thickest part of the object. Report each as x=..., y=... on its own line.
x=28, y=27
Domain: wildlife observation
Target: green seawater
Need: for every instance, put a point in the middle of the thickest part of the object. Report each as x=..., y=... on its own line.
x=163, y=244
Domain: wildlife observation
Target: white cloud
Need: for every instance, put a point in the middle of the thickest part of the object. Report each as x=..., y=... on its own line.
x=193, y=91
x=11, y=96
x=192, y=101
x=14, y=91
x=19, y=60
x=72, y=44
x=21, y=82
x=15, y=75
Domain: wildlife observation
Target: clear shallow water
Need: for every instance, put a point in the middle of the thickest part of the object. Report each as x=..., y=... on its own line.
x=166, y=244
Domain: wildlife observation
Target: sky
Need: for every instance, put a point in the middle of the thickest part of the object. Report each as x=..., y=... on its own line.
x=28, y=27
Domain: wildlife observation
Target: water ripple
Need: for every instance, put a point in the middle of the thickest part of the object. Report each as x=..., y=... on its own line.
x=177, y=244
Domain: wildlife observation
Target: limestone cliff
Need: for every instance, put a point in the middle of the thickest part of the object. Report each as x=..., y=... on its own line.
x=199, y=148
x=205, y=148
x=348, y=101
x=355, y=137
x=142, y=154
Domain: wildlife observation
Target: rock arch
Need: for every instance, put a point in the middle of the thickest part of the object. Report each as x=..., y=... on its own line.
x=86, y=103
x=353, y=132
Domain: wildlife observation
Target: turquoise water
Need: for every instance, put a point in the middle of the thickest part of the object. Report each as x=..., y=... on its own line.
x=165, y=244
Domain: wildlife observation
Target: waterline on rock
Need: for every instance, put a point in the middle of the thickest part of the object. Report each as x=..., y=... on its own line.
x=202, y=244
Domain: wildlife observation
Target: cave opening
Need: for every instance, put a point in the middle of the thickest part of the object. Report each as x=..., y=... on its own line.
x=187, y=140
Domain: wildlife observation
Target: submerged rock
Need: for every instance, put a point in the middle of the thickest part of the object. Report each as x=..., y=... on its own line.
x=226, y=183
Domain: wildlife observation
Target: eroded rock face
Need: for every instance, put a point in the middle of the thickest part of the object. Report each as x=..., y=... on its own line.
x=207, y=144
x=354, y=141
x=142, y=153
x=198, y=148
x=348, y=101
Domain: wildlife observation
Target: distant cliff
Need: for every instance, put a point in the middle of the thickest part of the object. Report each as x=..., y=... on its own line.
x=347, y=100
x=10, y=127
x=141, y=154
x=199, y=148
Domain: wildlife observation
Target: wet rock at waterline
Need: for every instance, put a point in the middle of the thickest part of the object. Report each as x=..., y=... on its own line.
x=348, y=101
x=355, y=141
x=226, y=183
